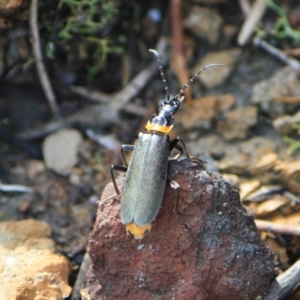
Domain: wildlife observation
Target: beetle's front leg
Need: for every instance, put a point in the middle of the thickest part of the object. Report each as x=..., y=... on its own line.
x=183, y=149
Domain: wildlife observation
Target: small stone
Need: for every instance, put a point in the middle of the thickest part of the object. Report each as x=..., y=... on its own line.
x=199, y=114
x=285, y=124
x=226, y=102
x=290, y=174
x=241, y=159
x=236, y=123
x=35, y=167
x=10, y=5
x=205, y=23
x=267, y=92
x=270, y=205
x=216, y=76
x=30, y=268
x=75, y=179
x=265, y=158
x=232, y=179
x=60, y=150
x=247, y=187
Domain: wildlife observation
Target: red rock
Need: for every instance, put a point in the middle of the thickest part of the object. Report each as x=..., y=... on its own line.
x=220, y=257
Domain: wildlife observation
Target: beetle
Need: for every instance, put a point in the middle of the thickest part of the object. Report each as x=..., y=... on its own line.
x=146, y=174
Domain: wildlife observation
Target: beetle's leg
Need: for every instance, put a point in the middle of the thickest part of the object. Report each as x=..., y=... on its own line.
x=126, y=148
x=118, y=168
x=179, y=148
x=174, y=144
x=174, y=185
x=183, y=149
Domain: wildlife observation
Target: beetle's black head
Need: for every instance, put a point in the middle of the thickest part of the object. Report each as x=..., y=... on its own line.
x=164, y=121
x=171, y=106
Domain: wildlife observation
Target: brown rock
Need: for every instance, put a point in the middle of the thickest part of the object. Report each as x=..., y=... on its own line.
x=202, y=112
x=199, y=114
x=290, y=174
x=267, y=93
x=286, y=124
x=255, y=156
x=236, y=123
x=220, y=256
x=216, y=76
x=205, y=23
x=226, y=102
x=30, y=270
x=9, y=5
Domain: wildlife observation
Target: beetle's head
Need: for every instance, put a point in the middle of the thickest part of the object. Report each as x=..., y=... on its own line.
x=163, y=121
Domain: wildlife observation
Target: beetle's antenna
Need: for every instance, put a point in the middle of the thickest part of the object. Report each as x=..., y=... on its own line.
x=162, y=74
x=195, y=76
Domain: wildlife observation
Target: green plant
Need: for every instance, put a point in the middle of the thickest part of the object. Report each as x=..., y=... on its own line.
x=282, y=28
x=87, y=17
x=82, y=31
x=294, y=144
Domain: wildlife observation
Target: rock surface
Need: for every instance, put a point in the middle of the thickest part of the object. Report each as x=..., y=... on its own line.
x=30, y=270
x=216, y=76
x=205, y=23
x=268, y=93
x=220, y=256
x=235, y=123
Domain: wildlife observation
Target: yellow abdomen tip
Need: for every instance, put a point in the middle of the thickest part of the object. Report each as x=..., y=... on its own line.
x=138, y=231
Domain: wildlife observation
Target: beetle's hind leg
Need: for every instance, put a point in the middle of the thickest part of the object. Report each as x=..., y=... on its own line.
x=174, y=185
x=120, y=168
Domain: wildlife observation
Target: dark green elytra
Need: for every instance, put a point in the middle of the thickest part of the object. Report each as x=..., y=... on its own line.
x=145, y=179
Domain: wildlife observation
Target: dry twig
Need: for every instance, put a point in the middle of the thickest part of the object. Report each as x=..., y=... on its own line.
x=288, y=99
x=277, y=228
x=178, y=58
x=97, y=96
x=42, y=73
x=15, y=188
x=293, y=63
x=285, y=283
x=245, y=7
x=104, y=114
x=121, y=99
x=79, y=284
x=256, y=13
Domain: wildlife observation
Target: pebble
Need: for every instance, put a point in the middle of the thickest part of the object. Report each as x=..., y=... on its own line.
x=217, y=75
x=267, y=92
x=205, y=23
x=60, y=150
x=236, y=123
x=199, y=114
